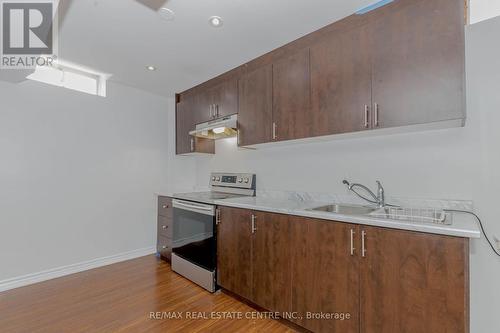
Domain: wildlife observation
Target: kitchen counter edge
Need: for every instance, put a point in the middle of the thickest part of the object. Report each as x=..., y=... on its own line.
x=463, y=225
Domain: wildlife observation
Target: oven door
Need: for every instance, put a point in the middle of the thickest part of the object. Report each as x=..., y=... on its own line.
x=194, y=233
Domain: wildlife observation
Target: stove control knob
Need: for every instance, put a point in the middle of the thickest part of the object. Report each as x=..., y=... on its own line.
x=213, y=178
x=246, y=180
x=217, y=179
x=240, y=180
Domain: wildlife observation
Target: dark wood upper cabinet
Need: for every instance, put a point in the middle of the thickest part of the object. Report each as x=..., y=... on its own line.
x=401, y=64
x=418, y=63
x=218, y=101
x=292, y=97
x=255, y=110
x=413, y=282
x=271, y=262
x=225, y=98
x=341, y=82
x=234, y=251
x=186, y=122
x=325, y=274
x=202, y=108
x=183, y=126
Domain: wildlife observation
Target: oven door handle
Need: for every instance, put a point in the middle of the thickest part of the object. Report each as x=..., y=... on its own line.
x=194, y=207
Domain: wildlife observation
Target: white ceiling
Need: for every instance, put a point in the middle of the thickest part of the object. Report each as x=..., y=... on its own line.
x=121, y=37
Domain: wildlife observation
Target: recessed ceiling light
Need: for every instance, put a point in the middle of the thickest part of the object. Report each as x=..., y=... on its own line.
x=215, y=21
x=166, y=14
x=151, y=68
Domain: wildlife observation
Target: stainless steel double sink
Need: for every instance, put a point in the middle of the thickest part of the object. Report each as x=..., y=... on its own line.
x=416, y=215
x=345, y=209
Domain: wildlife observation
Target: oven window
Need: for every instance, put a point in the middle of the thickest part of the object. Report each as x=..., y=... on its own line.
x=194, y=238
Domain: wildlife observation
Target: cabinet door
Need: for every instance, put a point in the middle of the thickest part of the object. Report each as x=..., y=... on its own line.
x=325, y=274
x=184, y=122
x=234, y=251
x=413, y=282
x=225, y=98
x=292, y=97
x=418, y=63
x=341, y=83
x=164, y=247
x=255, y=111
x=185, y=119
x=201, y=106
x=271, y=262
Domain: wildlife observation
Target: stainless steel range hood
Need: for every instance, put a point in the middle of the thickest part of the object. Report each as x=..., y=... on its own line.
x=217, y=129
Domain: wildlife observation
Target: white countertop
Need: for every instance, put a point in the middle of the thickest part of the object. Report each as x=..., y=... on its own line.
x=463, y=225
x=174, y=191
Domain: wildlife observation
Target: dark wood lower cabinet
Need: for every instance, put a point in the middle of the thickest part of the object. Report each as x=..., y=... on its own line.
x=271, y=261
x=325, y=275
x=413, y=282
x=340, y=277
x=253, y=257
x=234, y=251
x=164, y=228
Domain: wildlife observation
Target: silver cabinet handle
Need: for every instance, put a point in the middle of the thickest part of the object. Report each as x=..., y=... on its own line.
x=217, y=110
x=352, y=242
x=210, y=111
x=217, y=216
x=165, y=206
x=367, y=115
x=274, y=131
x=164, y=247
x=363, y=248
x=375, y=116
x=164, y=226
x=254, y=227
x=192, y=144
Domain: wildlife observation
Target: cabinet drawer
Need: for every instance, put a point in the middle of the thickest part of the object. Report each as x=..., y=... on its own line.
x=165, y=206
x=164, y=247
x=164, y=226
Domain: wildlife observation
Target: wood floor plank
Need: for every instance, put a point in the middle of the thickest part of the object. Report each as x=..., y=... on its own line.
x=120, y=298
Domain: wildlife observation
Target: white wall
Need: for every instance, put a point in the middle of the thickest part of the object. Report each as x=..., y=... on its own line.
x=78, y=174
x=461, y=163
x=480, y=10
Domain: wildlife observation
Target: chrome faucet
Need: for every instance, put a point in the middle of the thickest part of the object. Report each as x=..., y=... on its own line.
x=378, y=199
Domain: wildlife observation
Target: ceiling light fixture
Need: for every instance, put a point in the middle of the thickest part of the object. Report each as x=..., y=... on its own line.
x=166, y=14
x=151, y=68
x=215, y=21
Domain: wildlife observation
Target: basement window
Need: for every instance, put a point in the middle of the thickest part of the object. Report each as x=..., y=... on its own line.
x=71, y=76
x=480, y=10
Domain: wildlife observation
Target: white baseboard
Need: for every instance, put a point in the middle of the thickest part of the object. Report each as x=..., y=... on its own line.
x=53, y=273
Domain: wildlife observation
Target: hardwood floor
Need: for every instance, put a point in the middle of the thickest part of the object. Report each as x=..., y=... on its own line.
x=121, y=298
